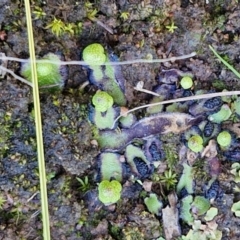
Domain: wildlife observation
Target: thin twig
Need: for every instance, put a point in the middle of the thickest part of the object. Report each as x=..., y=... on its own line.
x=16, y=76
x=146, y=91
x=106, y=63
x=197, y=97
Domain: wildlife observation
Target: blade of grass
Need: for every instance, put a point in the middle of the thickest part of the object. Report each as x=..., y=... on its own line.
x=230, y=67
x=38, y=125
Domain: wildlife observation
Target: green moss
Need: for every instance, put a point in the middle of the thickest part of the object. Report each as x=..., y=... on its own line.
x=84, y=184
x=116, y=232
x=2, y=201
x=155, y=109
x=5, y=133
x=170, y=151
x=169, y=179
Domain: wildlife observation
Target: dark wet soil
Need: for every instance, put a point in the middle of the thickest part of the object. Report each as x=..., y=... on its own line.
x=139, y=31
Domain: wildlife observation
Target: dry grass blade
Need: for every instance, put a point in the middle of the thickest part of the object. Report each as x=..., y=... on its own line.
x=197, y=97
x=230, y=67
x=40, y=150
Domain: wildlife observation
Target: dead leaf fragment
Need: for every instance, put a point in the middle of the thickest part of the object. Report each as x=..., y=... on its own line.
x=170, y=216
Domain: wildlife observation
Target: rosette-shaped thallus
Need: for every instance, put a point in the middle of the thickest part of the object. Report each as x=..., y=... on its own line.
x=50, y=72
x=109, y=192
x=106, y=77
x=103, y=113
x=224, y=139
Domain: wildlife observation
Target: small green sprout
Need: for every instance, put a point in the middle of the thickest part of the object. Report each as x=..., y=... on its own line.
x=186, y=82
x=78, y=28
x=39, y=13
x=85, y=185
x=109, y=192
x=102, y=101
x=88, y=4
x=125, y=15
x=57, y=26
x=153, y=204
x=224, y=139
x=195, y=143
x=171, y=28
x=92, y=14
x=69, y=28
x=169, y=179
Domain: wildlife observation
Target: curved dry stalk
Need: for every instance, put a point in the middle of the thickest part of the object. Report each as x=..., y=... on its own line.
x=34, y=61
x=139, y=87
x=16, y=76
x=171, y=59
x=197, y=97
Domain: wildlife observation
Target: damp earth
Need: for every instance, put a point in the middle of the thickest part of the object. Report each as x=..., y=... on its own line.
x=131, y=29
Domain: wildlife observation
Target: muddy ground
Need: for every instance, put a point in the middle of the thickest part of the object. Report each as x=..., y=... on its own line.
x=140, y=29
